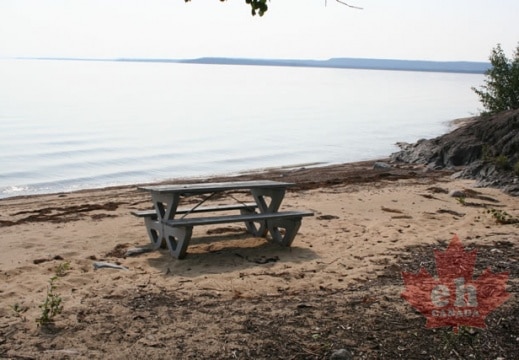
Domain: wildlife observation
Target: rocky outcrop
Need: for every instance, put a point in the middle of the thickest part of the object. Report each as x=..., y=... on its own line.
x=485, y=149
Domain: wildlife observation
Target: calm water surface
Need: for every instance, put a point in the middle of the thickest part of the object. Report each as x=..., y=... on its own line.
x=67, y=125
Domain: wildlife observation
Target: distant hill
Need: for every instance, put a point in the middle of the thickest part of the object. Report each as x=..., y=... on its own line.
x=355, y=63
x=471, y=67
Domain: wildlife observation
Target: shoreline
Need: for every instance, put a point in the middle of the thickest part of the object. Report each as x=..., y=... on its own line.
x=302, y=173
x=459, y=67
x=261, y=173
x=199, y=178
x=460, y=122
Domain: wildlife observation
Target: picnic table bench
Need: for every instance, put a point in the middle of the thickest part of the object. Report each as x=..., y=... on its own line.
x=169, y=224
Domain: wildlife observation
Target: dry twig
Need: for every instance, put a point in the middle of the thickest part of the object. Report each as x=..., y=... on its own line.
x=343, y=3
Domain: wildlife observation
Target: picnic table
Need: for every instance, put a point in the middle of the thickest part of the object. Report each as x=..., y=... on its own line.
x=170, y=224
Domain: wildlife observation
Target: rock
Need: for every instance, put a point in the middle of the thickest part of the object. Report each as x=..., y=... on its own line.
x=485, y=149
x=512, y=189
x=381, y=165
x=457, y=194
x=341, y=354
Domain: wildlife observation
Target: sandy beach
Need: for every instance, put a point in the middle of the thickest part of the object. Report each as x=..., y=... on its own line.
x=235, y=296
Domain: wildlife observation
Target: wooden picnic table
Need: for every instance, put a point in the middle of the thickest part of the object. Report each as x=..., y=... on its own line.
x=170, y=224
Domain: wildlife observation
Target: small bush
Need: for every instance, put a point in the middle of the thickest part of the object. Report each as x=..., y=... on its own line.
x=502, y=217
x=501, y=162
x=19, y=310
x=61, y=269
x=51, y=306
x=501, y=89
x=486, y=153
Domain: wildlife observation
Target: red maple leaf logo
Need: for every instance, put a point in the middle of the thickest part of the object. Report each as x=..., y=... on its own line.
x=455, y=299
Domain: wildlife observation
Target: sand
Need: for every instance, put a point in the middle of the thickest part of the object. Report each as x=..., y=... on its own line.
x=364, y=221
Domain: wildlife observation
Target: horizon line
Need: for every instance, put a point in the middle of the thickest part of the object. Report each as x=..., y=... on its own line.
x=453, y=66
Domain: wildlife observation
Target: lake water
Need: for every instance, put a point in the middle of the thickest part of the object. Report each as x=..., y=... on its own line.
x=68, y=125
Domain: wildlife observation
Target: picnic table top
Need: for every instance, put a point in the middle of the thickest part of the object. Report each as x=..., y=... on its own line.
x=216, y=186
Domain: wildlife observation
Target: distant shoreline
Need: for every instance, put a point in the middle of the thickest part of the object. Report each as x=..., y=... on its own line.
x=465, y=67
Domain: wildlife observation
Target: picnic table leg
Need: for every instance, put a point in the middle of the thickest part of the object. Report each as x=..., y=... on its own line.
x=251, y=226
x=276, y=197
x=165, y=208
x=165, y=205
x=155, y=232
x=291, y=227
x=177, y=239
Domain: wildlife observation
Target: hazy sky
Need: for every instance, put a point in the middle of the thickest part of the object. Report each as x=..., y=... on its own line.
x=396, y=29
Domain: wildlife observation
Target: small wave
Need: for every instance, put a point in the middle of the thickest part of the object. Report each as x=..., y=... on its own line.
x=14, y=190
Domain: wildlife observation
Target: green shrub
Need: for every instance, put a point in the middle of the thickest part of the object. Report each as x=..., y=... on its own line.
x=502, y=217
x=486, y=153
x=501, y=89
x=62, y=269
x=501, y=162
x=51, y=306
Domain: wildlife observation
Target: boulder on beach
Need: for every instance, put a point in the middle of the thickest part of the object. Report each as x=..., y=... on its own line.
x=486, y=149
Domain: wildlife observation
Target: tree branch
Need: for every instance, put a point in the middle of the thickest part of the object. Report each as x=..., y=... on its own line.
x=343, y=3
